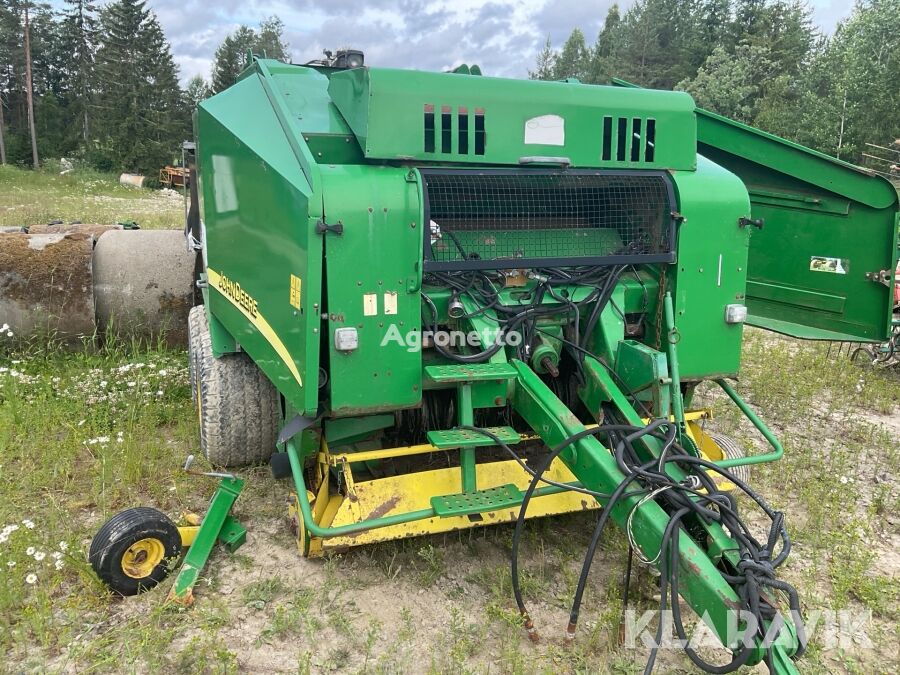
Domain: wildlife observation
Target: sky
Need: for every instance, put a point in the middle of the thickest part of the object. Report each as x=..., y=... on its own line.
x=502, y=36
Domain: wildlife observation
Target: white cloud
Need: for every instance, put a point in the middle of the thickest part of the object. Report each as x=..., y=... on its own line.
x=503, y=36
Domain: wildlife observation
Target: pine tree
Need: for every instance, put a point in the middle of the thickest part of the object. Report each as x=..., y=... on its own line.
x=729, y=84
x=573, y=60
x=140, y=112
x=78, y=41
x=545, y=63
x=231, y=55
x=711, y=30
x=270, y=41
x=607, y=41
x=656, y=40
x=197, y=90
x=604, y=57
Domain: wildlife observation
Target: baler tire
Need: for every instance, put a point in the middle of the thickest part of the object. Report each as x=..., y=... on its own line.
x=732, y=450
x=115, y=550
x=239, y=409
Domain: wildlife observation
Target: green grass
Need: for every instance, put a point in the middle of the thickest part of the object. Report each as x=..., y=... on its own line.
x=39, y=197
x=85, y=434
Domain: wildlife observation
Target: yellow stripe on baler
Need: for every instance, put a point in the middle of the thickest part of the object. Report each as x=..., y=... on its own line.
x=259, y=322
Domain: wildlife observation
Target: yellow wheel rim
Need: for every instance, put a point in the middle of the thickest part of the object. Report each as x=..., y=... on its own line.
x=142, y=557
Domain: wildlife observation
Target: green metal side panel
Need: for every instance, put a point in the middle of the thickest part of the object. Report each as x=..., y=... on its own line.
x=386, y=109
x=711, y=270
x=260, y=211
x=808, y=264
x=304, y=92
x=373, y=275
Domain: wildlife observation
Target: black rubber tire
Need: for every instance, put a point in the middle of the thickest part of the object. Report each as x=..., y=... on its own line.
x=733, y=450
x=238, y=407
x=119, y=533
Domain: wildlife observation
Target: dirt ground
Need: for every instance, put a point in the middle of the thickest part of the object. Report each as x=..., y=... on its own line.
x=82, y=436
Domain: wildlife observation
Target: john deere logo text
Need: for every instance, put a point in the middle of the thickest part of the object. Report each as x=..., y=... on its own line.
x=237, y=294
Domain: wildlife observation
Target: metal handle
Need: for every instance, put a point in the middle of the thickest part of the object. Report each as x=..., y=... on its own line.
x=755, y=222
x=215, y=474
x=540, y=159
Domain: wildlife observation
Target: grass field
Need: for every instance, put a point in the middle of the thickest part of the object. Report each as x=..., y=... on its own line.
x=85, y=434
x=36, y=198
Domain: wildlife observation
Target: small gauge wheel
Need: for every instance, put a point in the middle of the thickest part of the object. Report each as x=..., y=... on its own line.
x=732, y=450
x=134, y=550
x=298, y=525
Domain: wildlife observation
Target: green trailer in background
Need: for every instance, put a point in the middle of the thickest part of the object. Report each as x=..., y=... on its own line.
x=822, y=267
x=445, y=301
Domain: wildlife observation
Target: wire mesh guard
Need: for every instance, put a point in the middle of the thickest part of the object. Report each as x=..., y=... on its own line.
x=519, y=219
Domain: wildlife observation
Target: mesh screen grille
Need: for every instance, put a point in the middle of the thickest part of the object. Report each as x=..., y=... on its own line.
x=507, y=219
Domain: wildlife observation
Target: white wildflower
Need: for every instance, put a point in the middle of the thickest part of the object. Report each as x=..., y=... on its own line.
x=843, y=480
x=29, y=550
x=63, y=545
x=28, y=523
x=39, y=555
x=131, y=384
x=162, y=373
x=56, y=555
x=31, y=578
x=10, y=563
x=59, y=564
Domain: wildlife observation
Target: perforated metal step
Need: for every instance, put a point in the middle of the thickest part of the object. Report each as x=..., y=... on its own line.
x=464, y=438
x=475, y=372
x=465, y=503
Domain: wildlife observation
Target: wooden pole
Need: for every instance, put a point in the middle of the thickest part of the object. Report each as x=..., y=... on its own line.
x=29, y=92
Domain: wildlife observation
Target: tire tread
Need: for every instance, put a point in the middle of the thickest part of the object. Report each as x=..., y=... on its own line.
x=240, y=408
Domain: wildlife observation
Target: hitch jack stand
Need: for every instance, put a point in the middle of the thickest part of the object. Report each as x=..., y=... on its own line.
x=217, y=525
